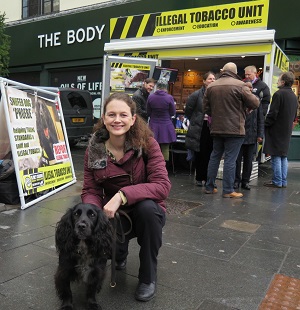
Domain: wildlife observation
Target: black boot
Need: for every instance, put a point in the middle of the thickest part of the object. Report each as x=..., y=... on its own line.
x=236, y=185
x=145, y=292
x=246, y=186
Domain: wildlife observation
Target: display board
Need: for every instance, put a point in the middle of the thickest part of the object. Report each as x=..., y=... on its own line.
x=125, y=74
x=35, y=134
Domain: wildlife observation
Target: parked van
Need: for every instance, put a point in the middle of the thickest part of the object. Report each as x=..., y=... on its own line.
x=77, y=106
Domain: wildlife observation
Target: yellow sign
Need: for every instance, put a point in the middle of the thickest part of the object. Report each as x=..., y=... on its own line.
x=178, y=130
x=43, y=178
x=130, y=66
x=280, y=60
x=228, y=17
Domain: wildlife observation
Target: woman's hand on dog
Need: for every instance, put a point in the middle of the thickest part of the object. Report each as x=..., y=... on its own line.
x=112, y=206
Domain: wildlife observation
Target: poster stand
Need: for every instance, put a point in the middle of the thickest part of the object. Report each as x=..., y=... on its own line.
x=33, y=130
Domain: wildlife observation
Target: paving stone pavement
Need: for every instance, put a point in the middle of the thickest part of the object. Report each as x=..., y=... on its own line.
x=217, y=254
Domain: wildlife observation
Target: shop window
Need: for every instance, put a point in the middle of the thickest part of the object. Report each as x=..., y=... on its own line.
x=31, y=8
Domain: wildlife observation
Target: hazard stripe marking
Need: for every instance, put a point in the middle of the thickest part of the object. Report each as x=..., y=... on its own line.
x=134, y=27
x=150, y=26
x=120, y=24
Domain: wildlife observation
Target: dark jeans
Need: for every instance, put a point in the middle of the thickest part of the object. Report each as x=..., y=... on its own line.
x=246, y=154
x=230, y=147
x=148, y=219
x=202, y=157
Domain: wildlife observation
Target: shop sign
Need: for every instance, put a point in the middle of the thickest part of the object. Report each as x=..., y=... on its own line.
x=72, y=36
x=228, y=17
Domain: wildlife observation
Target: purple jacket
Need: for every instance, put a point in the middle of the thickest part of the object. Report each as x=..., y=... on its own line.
x=160, y=109
x=103, y=177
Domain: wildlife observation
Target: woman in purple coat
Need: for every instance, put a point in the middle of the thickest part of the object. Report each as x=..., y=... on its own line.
x=160, y=109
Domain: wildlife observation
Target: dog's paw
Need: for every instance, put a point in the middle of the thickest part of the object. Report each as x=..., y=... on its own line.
x=93, y=306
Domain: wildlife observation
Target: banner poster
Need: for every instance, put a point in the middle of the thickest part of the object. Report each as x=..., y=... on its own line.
x=41, y=156
x=125, y=74
x=128, y=76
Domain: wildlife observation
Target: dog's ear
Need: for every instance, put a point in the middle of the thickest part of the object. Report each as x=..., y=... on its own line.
x=64, y=235
x=103, y=234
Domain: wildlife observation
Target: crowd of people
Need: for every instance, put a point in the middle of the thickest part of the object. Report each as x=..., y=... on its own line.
x=125, y=161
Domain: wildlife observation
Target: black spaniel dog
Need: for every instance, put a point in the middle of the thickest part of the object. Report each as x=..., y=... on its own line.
x=83, y=241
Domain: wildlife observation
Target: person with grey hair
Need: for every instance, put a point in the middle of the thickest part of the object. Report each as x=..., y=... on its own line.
x=161, y=108
x=278, y=129
x=260, y=88
x=227, y=101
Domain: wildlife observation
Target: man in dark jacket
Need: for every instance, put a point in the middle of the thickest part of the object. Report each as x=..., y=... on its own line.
x=141, y=95
x=227, y=101
x=278, y=128
x=254, y=127
x=260, y=88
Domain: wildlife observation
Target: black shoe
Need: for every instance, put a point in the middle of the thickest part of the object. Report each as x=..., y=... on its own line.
x=198, y=183
x=246, y=186
x=271, y=184
x=145, y=292
x=236, y=185
x=121, y=265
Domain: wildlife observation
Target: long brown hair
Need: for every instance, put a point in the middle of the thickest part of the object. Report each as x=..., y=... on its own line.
x=139, y=133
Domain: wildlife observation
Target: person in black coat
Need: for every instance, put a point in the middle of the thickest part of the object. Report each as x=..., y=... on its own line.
x=254, y=127
x=198, y=138
x=260, y=88
x=278, y=128
x=140, y=97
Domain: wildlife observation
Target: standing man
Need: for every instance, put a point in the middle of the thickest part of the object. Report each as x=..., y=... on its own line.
x=254, y=127
x=140, y=97
x=227, y=101
x=278, y=128
x=260, y=88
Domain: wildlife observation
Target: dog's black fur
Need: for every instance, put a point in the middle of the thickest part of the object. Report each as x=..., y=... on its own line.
x=83, y=241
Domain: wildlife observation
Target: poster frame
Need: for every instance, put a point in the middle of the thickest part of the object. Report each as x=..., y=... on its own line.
x=111, y=59
x=4, y=83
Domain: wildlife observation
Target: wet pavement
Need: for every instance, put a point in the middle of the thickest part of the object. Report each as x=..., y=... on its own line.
x=217, y=253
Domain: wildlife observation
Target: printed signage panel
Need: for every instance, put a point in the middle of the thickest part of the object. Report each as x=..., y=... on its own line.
x=227, y=17
x=38, y=142
x=125, y=74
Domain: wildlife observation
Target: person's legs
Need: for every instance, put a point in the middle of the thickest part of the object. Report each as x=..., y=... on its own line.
x=247, y=162
x=206, y=146
x=238, y=165
x=277, y=171
x=198, y=166
x=284, y=170
x=148, y=219
x=214, y=162
x=231, y=150
x=165, y=149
